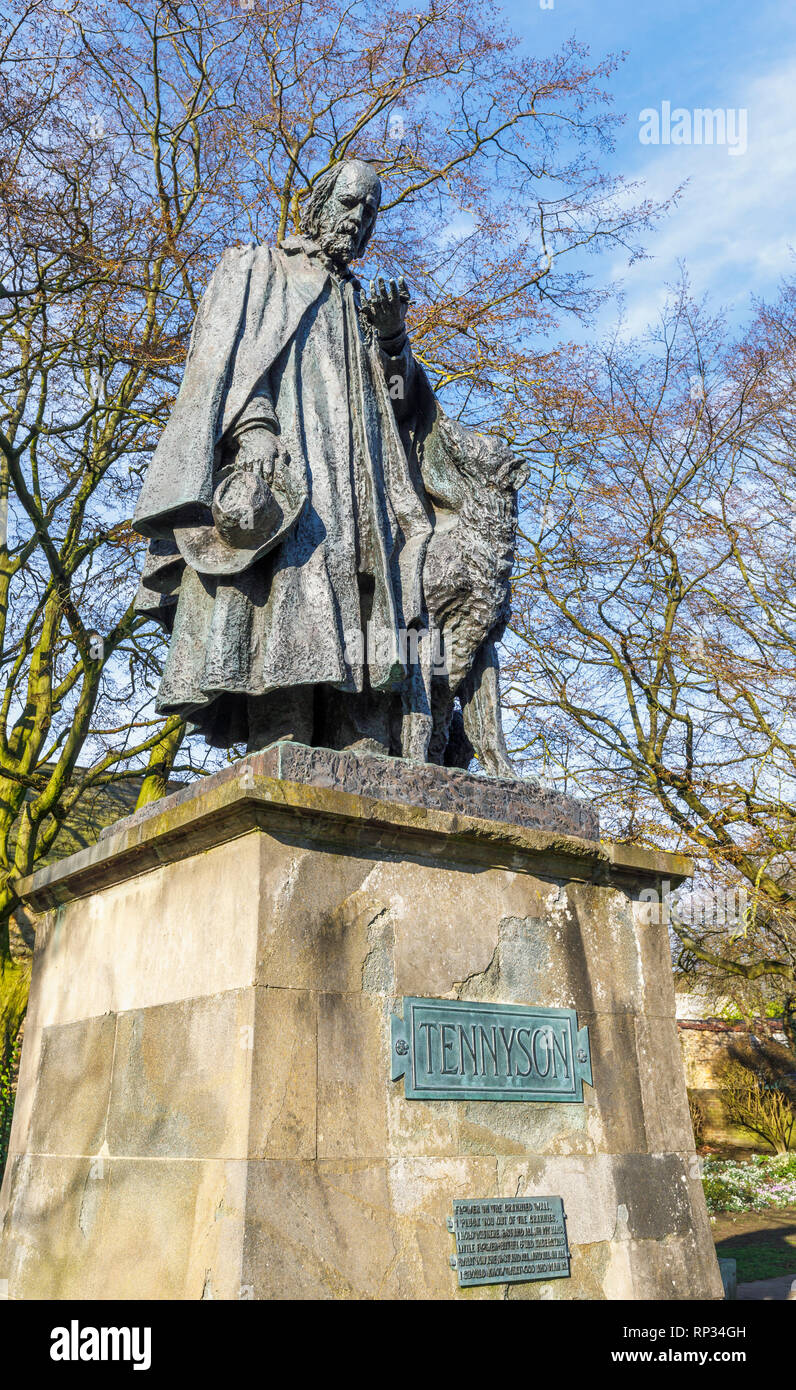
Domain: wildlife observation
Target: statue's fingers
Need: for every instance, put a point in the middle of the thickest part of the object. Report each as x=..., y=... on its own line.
x=382, y=289
x=373, y=289
x=393, y=292
x=403, y=290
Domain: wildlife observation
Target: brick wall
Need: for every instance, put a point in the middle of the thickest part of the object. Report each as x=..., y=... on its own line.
x=707, y=1045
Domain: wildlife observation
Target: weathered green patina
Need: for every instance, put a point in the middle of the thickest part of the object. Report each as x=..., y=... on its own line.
x=509, y=1240
x=448, y=1049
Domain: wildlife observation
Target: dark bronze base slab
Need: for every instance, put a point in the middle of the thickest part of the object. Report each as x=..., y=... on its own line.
x=511, y=801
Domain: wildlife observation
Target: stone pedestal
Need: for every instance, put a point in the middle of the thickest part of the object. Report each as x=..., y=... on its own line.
x=205, y=1107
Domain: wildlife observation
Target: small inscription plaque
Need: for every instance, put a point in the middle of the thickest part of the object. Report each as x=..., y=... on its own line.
x=450, y=1049
x=509, y=1240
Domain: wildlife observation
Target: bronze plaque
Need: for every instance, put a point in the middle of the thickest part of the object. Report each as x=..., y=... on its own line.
x=509, y=1240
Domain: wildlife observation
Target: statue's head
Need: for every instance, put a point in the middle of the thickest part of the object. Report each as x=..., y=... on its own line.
x=341, y=211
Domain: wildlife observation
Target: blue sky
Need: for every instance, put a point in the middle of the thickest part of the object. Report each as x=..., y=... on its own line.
x=735, y=226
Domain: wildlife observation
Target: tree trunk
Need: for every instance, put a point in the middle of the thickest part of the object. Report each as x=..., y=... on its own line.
x=161, y=762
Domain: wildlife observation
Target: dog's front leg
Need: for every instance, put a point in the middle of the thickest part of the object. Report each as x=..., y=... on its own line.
x=480, y=701
x=417, y=721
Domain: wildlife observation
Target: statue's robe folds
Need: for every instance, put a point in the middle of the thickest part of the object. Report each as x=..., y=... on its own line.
x=279, y=341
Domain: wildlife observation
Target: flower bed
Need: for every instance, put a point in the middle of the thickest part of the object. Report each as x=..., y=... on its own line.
x=751, y=1185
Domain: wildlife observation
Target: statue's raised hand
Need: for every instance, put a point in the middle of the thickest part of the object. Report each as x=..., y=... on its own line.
x=387, y=307
x=245, y=509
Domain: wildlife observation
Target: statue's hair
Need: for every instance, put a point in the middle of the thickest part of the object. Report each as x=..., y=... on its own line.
x=321, y=193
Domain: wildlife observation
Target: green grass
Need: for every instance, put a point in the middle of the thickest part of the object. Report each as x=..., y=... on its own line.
x=759, y=1258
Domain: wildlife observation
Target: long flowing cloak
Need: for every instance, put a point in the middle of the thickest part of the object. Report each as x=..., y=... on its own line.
x=276, y=326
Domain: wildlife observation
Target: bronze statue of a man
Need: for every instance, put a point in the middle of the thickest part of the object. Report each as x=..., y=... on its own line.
x=292, y=500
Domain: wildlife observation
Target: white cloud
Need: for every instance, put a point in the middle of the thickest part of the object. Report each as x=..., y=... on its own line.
x=462, y=225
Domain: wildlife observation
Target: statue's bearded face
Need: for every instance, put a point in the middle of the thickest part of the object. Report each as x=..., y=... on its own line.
x=350, y=212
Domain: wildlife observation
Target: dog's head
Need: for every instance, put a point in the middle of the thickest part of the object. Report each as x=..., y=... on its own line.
x=486, y=459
